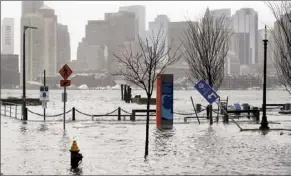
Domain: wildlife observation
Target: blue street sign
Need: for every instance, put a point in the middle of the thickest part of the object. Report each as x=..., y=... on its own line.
x=206, y=91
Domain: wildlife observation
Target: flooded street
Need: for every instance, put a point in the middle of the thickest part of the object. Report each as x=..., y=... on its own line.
x=118, y=147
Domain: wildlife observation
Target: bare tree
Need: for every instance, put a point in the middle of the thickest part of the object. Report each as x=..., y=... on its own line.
x=142, y=67
x=281, y=34
x=206, y=44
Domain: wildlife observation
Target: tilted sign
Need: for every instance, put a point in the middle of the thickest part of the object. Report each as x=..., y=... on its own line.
x=206, y=91
x=44, y=93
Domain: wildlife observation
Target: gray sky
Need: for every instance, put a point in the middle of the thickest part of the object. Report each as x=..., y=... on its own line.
x=76, y=13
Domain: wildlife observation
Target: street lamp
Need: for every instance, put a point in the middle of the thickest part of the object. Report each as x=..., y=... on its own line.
x=23, y=72
x=264, y=122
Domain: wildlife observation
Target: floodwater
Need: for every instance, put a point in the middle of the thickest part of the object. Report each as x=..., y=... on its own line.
x=112, y=147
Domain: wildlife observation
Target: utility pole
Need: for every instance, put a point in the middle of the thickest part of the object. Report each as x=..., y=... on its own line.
x=23, y=72
x=264, y=122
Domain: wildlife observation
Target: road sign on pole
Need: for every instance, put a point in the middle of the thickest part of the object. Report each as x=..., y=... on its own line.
x=65, y=71
x=44, y=93
x=206, y=91
x=65, y=83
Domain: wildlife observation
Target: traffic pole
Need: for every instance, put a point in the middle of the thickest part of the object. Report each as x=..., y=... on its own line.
x=44, y=101
x=65, y=99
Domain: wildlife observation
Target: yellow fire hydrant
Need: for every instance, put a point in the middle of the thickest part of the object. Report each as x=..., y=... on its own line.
x=76, y=157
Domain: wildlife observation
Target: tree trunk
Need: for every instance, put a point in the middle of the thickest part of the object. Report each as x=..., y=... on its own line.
x=147, y=126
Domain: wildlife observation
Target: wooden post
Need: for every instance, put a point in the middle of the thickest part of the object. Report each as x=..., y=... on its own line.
x=5, y=110
x=122, y=97
x=256, y=114
x=198, y=108
x=73, y=114
x=249, y=114
x=125, y=93
x=129, y=94
x=16, y=111
x=207, y=112
x=225, y=118
x=210, y=114
x=10, y=110
x=132, y=117
x=119, y=113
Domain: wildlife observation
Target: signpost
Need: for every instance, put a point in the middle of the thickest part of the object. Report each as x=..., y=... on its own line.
x=65, y=72
x=44, y=95
x=210, y=95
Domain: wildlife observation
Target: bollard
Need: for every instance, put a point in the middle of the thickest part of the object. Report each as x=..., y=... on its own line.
x=198, y=108
x=73, y=114
x=119, y=113
x=76, y=157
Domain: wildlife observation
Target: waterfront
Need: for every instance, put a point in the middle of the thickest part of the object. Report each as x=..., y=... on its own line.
x=114, y=148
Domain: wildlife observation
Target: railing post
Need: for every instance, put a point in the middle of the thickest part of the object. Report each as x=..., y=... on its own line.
x=16, y=111
x=5, y=110
x=132, y=117
x=249, y=113
x=10, y=110
x=119, y=113
x=25, y=114
x=73, y=114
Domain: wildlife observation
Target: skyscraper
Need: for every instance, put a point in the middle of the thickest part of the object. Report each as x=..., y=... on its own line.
x=140, y=13
x=7, y=36
x=63, y=45
x=33, y=42
x=161, y=22
x=31, y=6
x=33, y=46
x=49, y=40
x=245, y=22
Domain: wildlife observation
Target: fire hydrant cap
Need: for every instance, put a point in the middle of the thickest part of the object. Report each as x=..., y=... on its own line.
x=74, y=147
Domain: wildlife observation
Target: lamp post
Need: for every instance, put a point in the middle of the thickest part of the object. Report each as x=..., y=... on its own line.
x=264, y=122
x=23, y=72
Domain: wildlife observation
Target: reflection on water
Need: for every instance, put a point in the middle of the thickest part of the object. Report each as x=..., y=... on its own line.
x=78, y=171
x=23, y=127
x=43, y=127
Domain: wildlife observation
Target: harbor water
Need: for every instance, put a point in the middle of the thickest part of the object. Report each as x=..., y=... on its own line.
x=117, y=147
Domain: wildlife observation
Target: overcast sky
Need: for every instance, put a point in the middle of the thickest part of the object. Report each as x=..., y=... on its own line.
x=76, y=13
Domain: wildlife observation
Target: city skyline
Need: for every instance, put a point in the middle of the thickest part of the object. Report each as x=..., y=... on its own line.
x=96, y=11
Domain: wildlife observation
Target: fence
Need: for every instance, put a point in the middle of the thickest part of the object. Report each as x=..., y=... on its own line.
x=14, y=111
x=11, y=110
